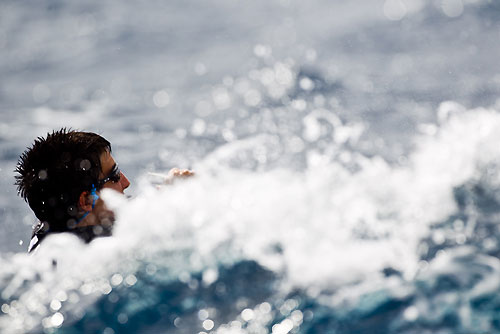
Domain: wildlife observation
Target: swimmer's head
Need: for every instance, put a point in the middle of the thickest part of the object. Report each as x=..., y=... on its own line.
x=57, y=174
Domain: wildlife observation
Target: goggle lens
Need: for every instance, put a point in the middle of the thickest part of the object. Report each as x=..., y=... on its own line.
x=114, y=176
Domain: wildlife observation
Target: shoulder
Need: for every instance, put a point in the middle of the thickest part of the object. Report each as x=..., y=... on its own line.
x=40, y=231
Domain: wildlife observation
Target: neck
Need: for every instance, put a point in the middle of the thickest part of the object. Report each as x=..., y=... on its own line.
x=88, y=219
x=101, y=217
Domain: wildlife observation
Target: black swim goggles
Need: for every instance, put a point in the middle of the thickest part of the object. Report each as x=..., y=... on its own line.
x=114, y=176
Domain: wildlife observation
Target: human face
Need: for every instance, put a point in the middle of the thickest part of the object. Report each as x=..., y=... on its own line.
x=108, y=166
x=98, y=213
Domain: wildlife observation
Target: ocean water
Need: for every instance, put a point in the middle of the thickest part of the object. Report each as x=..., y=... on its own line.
x=346, y=158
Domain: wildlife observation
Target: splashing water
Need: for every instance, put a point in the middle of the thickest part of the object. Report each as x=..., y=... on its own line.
x=330, y=197
x=234, y=251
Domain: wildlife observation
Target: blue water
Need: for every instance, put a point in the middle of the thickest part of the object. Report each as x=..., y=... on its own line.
x=346, y=155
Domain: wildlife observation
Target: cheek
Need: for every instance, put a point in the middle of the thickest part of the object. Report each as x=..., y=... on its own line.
x=115, y=186
x=99, y=206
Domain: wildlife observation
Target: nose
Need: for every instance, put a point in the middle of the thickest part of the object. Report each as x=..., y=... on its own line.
x=124, y=182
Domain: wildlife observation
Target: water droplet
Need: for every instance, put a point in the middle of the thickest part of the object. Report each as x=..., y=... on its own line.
x=221, y=98
x=106, y=289
x=311, y=55
x=5, y=308
x=122, y=318
x=394, y=10
x=208, y=324
x=161, y=99
x=438, y=237
x=297, y=316
x=411, y=313
x=247, y=314
x=210, y=276
x=252, y=98
x=284, y=75
x=180, y=133
x=113, y=298
x=198, y=127
x=184, y=277
x=461, y=239
x=202, y=314
x=108, y=330
x=57, y=319
x=85, y=164
x=130, y=280
x=452, y=8
x=235, y=325
x=200, y=69
x=262, y=50
x=265, y=307
x=151, y=269
x=228, y=135
x=299, y=104
x=71, y=223
x=62, y=296
x=55, y=305
x=42, y=175
x=306, y=84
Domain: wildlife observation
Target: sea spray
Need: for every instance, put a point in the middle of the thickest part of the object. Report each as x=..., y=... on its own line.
x=336, y=245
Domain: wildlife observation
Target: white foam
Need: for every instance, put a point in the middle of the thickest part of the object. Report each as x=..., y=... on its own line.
x=326, y=227
x=332, y=226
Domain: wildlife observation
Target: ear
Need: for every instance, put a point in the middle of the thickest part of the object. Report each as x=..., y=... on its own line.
x=85, y=202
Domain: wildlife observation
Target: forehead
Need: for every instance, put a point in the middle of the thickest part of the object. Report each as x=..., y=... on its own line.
x=107, y=163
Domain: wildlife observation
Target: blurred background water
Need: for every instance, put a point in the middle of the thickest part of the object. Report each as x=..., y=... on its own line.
x=346, y=152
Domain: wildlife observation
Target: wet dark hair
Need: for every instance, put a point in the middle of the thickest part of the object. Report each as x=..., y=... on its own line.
x=55, y=171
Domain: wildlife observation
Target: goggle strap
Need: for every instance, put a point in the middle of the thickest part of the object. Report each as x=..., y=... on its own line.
x=94, y=195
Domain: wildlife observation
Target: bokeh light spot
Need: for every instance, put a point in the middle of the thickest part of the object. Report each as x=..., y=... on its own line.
x=42, y=175
x=57, y=319
x=247, y=314
x=262, y=50
x=221, y=98
x=208, y=324
x=198, y=128
x=411, y=313
x=452, y=8
x=200, y=69
x=202, y=314
x=306, y=84
x=122, y=318
x=85, y=164
x=55, y=305
x=130, y=280
x=394, y=10
x=252, y=98
x=161, y=99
